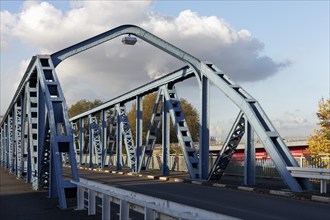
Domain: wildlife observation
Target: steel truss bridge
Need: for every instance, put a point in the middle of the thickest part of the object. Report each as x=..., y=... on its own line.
x=37, y=137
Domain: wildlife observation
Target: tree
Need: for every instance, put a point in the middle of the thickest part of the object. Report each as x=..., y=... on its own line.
x=190, y=112
x=82, y=106
x=319, y=143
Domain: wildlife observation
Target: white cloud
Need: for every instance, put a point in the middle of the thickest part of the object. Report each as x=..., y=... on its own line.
x=10, y=80
x=294, y=124
x=211, y=38
x=113, y=68
x=8, y=21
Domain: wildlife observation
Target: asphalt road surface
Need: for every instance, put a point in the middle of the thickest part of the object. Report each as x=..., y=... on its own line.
x=19, y=201
x=236, y=203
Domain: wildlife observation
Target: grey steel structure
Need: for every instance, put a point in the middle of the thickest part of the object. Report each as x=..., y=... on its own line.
x=37, y=136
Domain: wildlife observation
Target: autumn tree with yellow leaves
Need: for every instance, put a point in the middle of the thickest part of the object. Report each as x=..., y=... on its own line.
x=82, y=106
x=191, y=115
x=319, y=143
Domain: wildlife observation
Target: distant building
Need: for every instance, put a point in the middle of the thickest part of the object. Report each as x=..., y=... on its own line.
x=297, y=147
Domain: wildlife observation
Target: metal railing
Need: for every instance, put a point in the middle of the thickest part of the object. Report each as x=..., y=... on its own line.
x=312, y=173
x=264, y=166
x=151, y=207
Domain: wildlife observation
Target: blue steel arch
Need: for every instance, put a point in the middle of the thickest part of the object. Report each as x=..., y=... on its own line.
x=252, y=110
x=54, y=115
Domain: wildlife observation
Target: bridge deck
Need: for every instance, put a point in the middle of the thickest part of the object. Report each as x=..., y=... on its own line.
x=240, y=204
x=19, y=201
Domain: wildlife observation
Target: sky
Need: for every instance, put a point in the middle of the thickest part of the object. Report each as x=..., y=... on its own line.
x=278, y=51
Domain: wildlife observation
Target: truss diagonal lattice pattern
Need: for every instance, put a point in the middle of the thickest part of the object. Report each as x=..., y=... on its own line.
x=36, y=134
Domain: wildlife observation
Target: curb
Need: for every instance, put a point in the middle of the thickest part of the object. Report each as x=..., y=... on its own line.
x=196, y=182
x=280, y=193
x=219, y=185
x=245, y=188
x=179, y=180
x=321, y=198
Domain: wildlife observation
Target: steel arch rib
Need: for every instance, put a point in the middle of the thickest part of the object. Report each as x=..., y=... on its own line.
x=268, y=135
x=270, y=138
x=61, y=55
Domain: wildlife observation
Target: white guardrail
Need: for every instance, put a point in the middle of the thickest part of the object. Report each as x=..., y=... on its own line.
x=312, y=173
x=151, y=207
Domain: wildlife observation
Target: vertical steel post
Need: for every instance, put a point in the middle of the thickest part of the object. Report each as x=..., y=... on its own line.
x=204, y=132
x=18, y=138
x=80, y=198
x=24, y=137
x=91, y=202
x=249, y=156
x=6, y=164
x=91, y=165
x=149, y=214
x=81, y=140
x=124, y=210
x=15, y=139
x=119, y=144
x=106, y=208
x=1, y=146
x=139, y=109
x=103, y=136
x=11, y=142
x=165, y=138
x=43, y=160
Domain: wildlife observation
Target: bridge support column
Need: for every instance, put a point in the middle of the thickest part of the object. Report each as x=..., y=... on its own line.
x=6, y=146
x=18, y=138
x=249, y=156
x=204, y=132
x=119, y=143
x=139, y=109
x=104, y=137
x=81, y=141
x=10, y=144
x=165, y=139
x=91, y=165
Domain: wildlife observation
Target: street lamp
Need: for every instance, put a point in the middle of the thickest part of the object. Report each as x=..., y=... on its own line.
x=128, y=40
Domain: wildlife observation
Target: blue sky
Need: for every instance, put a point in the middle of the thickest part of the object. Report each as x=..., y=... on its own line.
x=292, y=35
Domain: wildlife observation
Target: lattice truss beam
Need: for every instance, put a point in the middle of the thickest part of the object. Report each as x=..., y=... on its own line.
x=46, y=140
x=119, y=128
x=35, y=132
